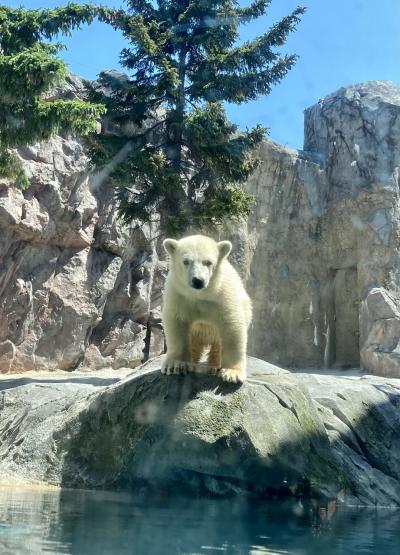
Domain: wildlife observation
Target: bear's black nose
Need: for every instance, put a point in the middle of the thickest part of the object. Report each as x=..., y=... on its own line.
x=198, y=283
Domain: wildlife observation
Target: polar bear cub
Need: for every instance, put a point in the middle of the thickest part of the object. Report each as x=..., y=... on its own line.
x=205, y=306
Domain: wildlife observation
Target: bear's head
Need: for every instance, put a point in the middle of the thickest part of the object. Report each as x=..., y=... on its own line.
x=195, y=260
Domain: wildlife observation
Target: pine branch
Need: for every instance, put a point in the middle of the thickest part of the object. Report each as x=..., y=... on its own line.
x=255, y=10
x=20, y=28
x=29, y=72
x=29, y=69
x=240, y=87
x=255, y=54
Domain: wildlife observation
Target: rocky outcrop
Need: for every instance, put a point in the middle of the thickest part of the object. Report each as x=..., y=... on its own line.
x=80, y=290
x=325, y=236
x=380, y=316
x=74, y=282
x=303, y=435
x=72, y=289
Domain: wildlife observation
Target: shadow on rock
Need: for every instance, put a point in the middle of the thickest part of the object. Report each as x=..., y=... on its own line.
x=279, y=434
x=198, y=433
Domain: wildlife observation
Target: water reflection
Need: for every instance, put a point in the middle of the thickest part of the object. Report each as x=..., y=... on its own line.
x=81, y=522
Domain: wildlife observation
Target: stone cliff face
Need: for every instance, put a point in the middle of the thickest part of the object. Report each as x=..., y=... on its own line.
x=74, y=283
x=320, y=253
x=325, y=234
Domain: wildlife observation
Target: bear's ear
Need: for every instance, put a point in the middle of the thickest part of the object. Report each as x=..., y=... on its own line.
x=170, y=246
x=224, y=248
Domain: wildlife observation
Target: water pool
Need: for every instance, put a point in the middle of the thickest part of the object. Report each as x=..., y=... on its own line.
x=96, y=523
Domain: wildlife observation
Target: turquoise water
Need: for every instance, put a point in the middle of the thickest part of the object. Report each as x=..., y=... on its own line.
x=96, y=523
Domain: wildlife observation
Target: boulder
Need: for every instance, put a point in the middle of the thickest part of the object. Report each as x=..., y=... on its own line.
x=280, y=434
x=381, y=333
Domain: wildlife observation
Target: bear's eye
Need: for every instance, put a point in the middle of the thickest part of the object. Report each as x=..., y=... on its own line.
x=207, y=263
x=186, y=262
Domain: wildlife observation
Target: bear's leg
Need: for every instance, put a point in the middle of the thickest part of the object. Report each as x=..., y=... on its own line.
x=234, y=345
x=177, y=359
x=214, y=357
x=197, y=348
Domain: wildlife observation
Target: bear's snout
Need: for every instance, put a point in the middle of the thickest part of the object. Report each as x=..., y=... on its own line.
x=197, y=283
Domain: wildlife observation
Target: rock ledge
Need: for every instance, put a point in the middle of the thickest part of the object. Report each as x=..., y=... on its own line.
x=280, y=433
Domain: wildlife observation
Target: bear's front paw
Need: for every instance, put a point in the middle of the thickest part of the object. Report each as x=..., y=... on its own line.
x=233, y=375
x=171, y=366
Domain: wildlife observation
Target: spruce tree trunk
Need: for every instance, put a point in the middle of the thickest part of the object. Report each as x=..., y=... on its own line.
x=179, y=205
x=180, y=111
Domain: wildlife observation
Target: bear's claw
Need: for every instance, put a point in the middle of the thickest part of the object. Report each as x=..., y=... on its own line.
x=233, y=375
x=202, y=368
x=177, y=367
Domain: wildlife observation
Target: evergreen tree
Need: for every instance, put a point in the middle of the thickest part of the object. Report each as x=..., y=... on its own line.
x=29, y=69
x=184, y=158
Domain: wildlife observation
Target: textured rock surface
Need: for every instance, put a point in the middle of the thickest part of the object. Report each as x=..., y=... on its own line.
x=74, y=283
x=77, y=288
x=325, y=234
x=295, y=434
x=380, y=317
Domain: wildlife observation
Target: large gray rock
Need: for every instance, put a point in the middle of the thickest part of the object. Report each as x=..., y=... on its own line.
x=280, y=433
x=74, y=282
x=380, y=317
x=325, y=234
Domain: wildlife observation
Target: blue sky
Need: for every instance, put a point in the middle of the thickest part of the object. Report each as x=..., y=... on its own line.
x=339, y=43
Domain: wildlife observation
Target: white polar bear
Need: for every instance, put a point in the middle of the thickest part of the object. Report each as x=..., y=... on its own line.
x=205, y=305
